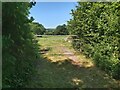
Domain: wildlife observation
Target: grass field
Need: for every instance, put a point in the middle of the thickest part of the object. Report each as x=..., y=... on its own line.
x=56, y=69
x=53, y=44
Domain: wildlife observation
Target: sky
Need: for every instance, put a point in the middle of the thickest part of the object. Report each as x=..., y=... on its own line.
x=52, y=14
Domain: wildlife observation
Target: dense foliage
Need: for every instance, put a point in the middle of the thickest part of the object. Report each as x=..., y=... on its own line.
x=49, y=31
x=98, y=27
x=19, y=52
x=59, y=30
x=37, y=28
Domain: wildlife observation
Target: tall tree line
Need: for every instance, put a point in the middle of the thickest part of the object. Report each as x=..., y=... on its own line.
x=59, y=30
x=97, y=24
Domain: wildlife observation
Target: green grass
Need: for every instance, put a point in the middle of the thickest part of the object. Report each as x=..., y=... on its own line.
x=54, y=43
x=55, y=70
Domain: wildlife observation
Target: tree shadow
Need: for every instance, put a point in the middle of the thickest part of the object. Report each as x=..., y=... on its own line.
x=67, y=75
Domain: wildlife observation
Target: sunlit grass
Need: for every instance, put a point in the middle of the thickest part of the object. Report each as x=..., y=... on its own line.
x=53, y=42
x=57, y=70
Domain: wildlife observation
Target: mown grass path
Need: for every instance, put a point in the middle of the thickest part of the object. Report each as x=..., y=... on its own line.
x=62, y=67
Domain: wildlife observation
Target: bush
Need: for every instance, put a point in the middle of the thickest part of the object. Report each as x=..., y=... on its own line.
x=97, y=26
x=19, y=52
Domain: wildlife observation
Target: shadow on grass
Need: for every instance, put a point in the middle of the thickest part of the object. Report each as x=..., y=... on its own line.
x=66, y=75
x=44, y=50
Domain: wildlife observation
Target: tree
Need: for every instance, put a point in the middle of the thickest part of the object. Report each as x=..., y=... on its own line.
x=37, y=28
x=50, y=31
x=61, y=30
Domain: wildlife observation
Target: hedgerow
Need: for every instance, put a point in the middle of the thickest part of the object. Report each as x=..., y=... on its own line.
x=97, y=24
x=19, y=52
